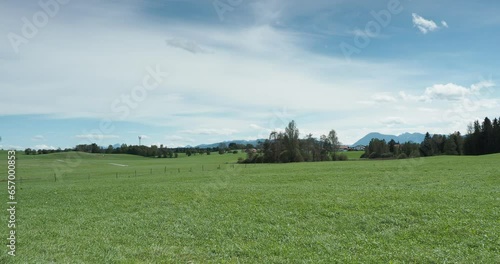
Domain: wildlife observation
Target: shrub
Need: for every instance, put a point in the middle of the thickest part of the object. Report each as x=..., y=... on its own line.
x=342, y=157
x=339, y=157
x=387, y=155
x=374, y=155
x=402, y=156
x=415, y=154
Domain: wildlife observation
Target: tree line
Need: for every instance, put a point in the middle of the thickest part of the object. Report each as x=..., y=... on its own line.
x=141, y=150
x=430, y=146
x=482, y=138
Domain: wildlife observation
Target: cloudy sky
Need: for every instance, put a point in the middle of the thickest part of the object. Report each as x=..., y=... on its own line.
x=185, y=72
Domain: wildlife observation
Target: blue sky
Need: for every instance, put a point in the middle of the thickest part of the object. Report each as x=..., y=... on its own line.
x=189, y=72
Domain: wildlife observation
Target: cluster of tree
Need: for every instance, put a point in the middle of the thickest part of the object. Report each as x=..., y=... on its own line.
x=483, y=138
x=442, y=145
x=145, y=151
x=430, y=146
x=234, y=146
x=231, y=148
x=392, y=149
x=284, y=147
x=30, y=151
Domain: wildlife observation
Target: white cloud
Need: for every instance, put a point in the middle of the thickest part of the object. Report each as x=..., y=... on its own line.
x=425, y=25
x=361, y=33
x=43, y=146
x=268, y=12
x=409, y=97
x=449, y=107
x=38, y=138
x=184, y=44
x=447, y=92
x=428, y=110
x=383, y=98
x=482, y=85
x=444, y=24
x=174, y=141
x=174, y=138
x=10, y=147
x=210, y=131
x=96, y=136
x=452, y=92
x=392, y=121
x=254, y=126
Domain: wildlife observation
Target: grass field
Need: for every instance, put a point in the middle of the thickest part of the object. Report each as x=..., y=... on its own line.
x=353, y=155
x=206, y=209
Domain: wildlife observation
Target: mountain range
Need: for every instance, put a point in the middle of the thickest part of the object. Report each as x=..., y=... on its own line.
x=405, y=137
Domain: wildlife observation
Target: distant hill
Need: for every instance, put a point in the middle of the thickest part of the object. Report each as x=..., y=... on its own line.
x=243, y=142
x=406, y=137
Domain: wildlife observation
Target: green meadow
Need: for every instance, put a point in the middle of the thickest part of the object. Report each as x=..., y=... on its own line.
x=94, y=208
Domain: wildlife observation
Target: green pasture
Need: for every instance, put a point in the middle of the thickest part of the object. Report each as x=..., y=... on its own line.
x=94, y=208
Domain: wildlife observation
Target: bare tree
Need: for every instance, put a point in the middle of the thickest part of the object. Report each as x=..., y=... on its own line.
x=334, y=141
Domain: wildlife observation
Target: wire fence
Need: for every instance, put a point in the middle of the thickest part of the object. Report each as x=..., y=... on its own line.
x=129, y=172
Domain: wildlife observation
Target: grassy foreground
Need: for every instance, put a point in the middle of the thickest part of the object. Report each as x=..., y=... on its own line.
x=205, y=209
